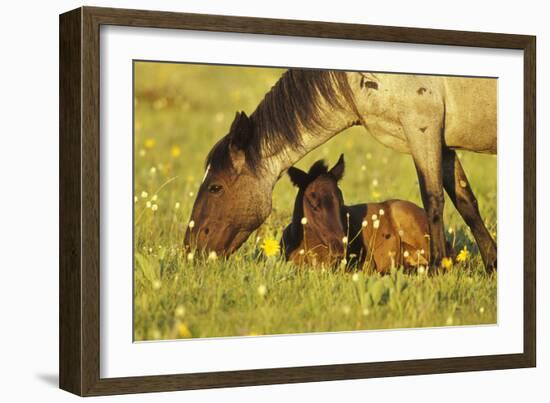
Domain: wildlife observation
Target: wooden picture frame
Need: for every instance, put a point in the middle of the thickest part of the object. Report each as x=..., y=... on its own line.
x=79, y=346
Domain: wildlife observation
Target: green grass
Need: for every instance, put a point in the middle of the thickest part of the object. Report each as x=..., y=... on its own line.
x=180, y=111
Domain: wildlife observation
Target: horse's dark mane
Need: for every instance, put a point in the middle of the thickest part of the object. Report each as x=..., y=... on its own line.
x=293, y=103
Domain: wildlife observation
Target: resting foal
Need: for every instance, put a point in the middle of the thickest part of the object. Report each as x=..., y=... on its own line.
x=374, y=235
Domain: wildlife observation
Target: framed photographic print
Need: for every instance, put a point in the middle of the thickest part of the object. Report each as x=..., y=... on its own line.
x=250, y=201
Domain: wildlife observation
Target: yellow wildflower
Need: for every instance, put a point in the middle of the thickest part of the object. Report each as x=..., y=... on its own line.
x=150, y=143
x=447, y=263
x=175, y=151
x=183, y=331
x=271, y=247
x=463, y=255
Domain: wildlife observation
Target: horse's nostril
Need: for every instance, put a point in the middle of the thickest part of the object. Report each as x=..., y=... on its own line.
x=206, y=231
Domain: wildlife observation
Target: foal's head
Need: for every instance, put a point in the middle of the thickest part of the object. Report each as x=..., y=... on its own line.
x=322, y=202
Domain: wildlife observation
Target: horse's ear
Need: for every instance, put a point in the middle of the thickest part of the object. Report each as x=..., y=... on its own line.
x=240, y=131
x=239, y=139
x=298, y=177
x=338, y=170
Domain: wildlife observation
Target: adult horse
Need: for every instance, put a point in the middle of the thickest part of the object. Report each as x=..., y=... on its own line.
x=428, y=117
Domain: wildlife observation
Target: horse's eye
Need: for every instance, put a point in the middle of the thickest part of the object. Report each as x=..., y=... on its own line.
x=313, y=195
x=215, y=188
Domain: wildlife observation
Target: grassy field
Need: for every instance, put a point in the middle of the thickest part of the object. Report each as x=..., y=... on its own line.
x=180, y=112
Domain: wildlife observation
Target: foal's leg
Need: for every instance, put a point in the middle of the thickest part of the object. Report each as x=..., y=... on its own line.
x=423, y=130
x=459, y=190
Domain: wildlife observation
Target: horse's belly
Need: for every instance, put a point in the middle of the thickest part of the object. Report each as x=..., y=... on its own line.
x=471, y=114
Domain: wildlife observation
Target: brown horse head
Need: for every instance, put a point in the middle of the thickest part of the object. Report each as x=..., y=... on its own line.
x=234, y=198
x=322, y=202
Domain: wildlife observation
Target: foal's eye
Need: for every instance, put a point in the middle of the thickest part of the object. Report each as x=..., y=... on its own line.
x=215, y=188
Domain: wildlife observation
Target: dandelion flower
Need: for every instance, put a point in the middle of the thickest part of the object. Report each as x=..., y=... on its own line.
x=304, y=221
x=374, y=217
x=406, y=253
x=446, y=263
x=175, y=151
x=183, y=331
x=449, y=321
x=212, y=256
x=451, y=230
x=343, y=262
x=375, y=182
x=142, y=153
x=355, y=277
x=135, y=199
x=301, y=252
x=369, y=156
x=363, y=168
x=144, y=194
x=366, y=312
x=156, y=285
x=262, y=290
x=177, y=205
x=148, y=204
x=376, y=224
x=154, y=198
x=154, y=207
x=150, y=143
x=180, y=311
x=364, y=223
x=270, y=247
x=345, y=240
x=191, y=194
x=191, y=224
x=346, y=309
x=381, y=212
x=481, y=310
x=463, y=255
x=421, y=270
x=153, y=170
x=190, y=256
x=422, y=251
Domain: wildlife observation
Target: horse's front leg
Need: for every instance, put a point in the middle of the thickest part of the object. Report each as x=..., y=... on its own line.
x=423, y=130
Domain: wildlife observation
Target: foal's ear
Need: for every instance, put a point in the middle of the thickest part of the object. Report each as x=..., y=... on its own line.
x=240, y=131
x=298, y=177
x=338, y=170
